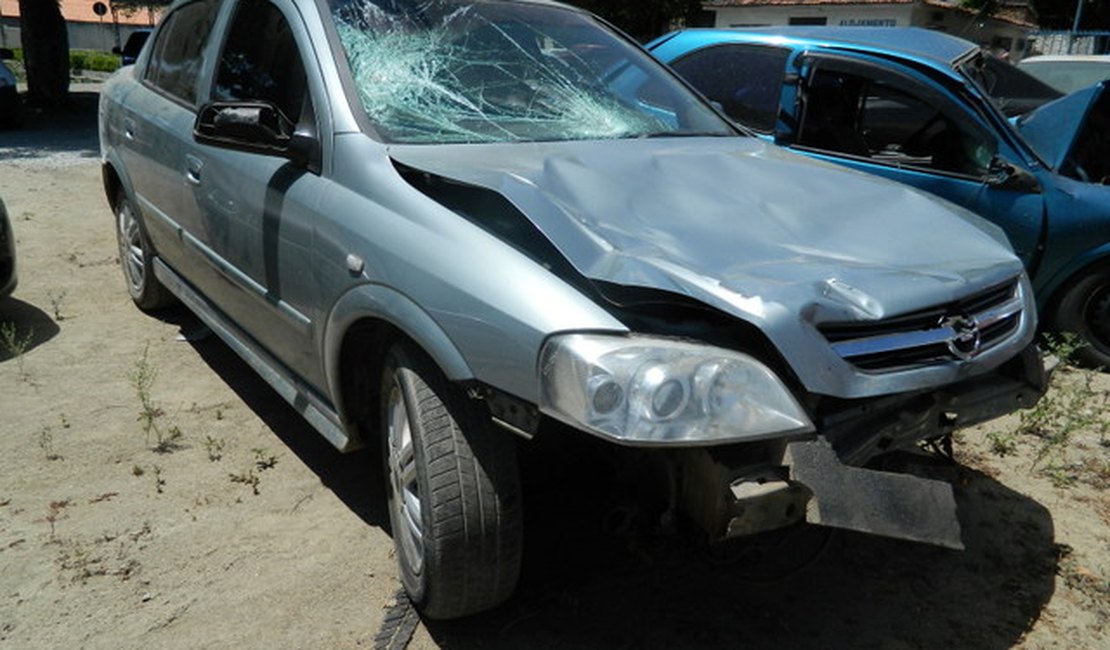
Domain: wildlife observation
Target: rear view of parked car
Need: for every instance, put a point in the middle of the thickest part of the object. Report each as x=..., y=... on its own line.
x=934, y=111
x=452, y=229
x=131, y=49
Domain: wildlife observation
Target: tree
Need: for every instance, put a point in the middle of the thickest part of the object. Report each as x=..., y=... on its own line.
x=645, y=19
x=1060, y=14
x=45, y=52
x=1055, y=14
x=129, y=7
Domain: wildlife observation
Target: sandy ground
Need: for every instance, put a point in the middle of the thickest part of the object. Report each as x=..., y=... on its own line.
x=247, y=530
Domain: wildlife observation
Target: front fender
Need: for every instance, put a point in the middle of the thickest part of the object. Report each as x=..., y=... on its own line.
x=383, y=303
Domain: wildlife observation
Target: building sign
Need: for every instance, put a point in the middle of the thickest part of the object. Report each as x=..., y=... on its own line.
x=868, y=22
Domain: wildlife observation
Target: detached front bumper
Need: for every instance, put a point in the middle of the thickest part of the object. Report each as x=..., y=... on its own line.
x=820, y=480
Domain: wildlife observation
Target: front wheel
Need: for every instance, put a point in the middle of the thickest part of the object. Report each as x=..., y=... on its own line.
x=1084, y=308
x=136, y=256
x=454, y=491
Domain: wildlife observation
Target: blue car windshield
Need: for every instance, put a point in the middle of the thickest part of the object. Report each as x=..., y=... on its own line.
x=444, y=71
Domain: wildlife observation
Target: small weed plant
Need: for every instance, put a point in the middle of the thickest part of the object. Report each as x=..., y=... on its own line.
x=46, y=443
x=214, y=447
x=16, y=345
x=56, y=298
x=142, y=379
x=1073, y=404
x=263, y=460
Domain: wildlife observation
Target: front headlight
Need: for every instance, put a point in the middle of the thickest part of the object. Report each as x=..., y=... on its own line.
x=641, y=390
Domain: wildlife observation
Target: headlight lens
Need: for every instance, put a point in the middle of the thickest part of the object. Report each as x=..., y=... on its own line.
x=653, y=391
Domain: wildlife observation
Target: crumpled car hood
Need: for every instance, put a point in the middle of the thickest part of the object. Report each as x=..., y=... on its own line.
x=665, y=215
x=743, y=226
x=1053, y=128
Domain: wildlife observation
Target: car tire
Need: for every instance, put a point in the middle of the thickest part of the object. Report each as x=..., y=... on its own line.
x=136, y=257
x=1084, y=308
x=453, y=491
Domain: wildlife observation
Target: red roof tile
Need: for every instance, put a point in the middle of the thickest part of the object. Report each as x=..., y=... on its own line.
x=81, y=11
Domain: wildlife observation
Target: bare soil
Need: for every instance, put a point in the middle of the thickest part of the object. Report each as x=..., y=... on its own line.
x=245, y=529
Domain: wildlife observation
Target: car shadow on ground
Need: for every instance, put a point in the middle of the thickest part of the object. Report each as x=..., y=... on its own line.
x=354, y=477
x=804, y=588
x=582, y=586
x=30, y=328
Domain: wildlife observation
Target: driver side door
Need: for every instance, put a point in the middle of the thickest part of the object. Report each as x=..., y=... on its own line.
x=897, y=123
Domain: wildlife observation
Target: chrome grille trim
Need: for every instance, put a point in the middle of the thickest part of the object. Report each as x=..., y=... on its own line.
x=932, y=336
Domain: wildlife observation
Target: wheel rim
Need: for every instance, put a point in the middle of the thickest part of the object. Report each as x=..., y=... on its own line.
x=406, y=502
x=131, y=253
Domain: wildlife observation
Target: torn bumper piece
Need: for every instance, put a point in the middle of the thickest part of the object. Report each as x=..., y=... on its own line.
x=821, y=480
x=812, y=485
x=882, y=503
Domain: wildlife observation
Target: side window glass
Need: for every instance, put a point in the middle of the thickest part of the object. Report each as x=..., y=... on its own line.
x=177, y=56
x=745, y=80
x=892, y=124
x=261, y=69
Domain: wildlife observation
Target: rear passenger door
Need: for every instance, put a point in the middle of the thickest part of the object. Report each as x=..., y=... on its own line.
x=257, y=211
x=157, y=124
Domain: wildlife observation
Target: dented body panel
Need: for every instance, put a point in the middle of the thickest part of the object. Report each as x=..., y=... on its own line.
x=786, y=250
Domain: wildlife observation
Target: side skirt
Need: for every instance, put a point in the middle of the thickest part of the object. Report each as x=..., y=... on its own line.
x=315, y=410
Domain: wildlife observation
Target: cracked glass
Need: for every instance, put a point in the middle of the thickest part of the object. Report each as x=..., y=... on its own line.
x=452, y=72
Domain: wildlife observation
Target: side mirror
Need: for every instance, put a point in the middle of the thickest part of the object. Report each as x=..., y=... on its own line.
x=117, y=51
x=5, y=53
x=1005, y=175
x=256, y=127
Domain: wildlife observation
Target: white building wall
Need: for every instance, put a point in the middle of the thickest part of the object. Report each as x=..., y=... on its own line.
x=835, y=15
x=994, y=34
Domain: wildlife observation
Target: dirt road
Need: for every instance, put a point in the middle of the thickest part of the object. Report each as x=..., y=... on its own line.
x=245, y=529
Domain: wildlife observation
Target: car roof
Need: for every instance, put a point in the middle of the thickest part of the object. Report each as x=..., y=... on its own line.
x=915, y=42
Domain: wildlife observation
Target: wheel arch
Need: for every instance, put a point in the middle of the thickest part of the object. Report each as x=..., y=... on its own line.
x=114, y=177
x=1056, y=286
x=359, y=331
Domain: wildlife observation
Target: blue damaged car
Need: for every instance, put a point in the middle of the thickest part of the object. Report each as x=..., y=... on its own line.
x=453, y=230
x=934, y=111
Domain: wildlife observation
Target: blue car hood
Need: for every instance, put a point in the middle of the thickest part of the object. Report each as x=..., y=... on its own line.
x=736, y=223
x=1052, y=129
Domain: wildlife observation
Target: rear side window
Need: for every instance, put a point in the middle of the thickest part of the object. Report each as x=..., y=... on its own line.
x=267, y=69
x=744, y=79
x=177, y=57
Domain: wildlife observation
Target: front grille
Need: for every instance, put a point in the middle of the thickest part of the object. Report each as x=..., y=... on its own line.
x=957, y=331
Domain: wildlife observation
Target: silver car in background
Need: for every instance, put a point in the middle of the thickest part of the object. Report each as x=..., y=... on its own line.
x=452, y=229
x=1068, y=72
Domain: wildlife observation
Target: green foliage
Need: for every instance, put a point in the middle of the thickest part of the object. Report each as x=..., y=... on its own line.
x=129, y=7
x=15, y=344
x=1074, y=404
x=645, y=19
x=91, y=60
x=142, y=379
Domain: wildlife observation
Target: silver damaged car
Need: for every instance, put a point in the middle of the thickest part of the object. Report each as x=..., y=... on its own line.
x=453, y=230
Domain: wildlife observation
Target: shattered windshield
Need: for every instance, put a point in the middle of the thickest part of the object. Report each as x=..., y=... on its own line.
x=444, y=71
